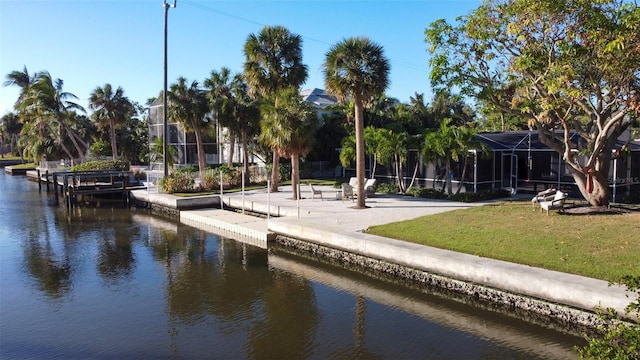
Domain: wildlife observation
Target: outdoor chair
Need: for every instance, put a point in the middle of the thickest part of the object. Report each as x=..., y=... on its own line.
x=315, y=192
x=347, y=191
x=557, y=203
x=353, y=182
x=370, y=187
x=546, y=195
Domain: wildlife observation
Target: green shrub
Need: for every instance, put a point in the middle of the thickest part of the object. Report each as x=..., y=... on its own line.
x=191, y=169
x=177, y=182
x=481, y=196
x=211, y=181
x=284, y=171
x=428, y=193
x=231, y=178
x=386, y=188
x=100, y=148
x=617, y=340
x=95, y=165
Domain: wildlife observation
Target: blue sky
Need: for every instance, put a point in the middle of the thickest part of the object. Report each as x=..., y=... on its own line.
x=88, y=43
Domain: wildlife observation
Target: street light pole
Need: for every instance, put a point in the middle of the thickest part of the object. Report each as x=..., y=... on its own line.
x=165, y=109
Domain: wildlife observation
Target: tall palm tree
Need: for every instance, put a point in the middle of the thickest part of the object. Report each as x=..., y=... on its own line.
x=273, y=62
x=189, y=105
x=235, y=108
x=222, y=102
x=21, y=79
x=47, y=106
x=289, y=129
x=111, y=108
x=247, y=116
x=392, y=149
x=357, y=69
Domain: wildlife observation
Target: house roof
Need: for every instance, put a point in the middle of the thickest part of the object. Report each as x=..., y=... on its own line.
x=318, y=97
x=525, y=140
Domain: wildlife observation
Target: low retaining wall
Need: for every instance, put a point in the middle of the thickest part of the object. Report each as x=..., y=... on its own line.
x=12, y=171
x=175, y=202
x=569, y=297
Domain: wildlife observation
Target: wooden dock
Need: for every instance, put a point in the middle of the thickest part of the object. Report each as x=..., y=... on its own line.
x=71, y=184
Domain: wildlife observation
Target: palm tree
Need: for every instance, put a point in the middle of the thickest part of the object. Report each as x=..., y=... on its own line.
x=188, y=104
x=23, y=80
x=222, y=102
x=111, y=108
x=465, y=144
x=356, y=69
x=373, y=138
x=11, y=127
x=445, y=105
x=420, y=112
x=156, y=152
x=235, y=109
x=392, y=148
x=47, y=106
x=290, y=129
x=273, y=62
x=247, y=116
x=450, y=142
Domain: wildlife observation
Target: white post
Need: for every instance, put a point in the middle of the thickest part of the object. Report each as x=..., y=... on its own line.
x=243, y=189
x=298, y=200
x=268, y=199
x=221, y=191
x=475, y=171
x=559, y=169
x=615, y=178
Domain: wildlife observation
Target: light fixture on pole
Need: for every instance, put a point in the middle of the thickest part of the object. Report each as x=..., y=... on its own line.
x=165, y=140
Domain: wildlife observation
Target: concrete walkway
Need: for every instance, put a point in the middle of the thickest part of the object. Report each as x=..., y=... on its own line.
x=382, y=208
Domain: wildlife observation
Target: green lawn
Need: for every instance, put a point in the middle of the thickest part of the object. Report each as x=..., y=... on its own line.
x=599, y=246
x=28, y=166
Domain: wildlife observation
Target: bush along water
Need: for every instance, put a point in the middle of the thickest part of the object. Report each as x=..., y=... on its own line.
x=231, y=178
x=178, y=182
x=617, y=339
x=97, y=165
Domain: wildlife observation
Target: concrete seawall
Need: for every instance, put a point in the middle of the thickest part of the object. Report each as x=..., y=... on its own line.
x=550, y=287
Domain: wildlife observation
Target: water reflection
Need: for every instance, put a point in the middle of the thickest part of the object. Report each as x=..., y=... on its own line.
x=229, y=282
x=51, y=271
x=101, y=282
x=496, y=328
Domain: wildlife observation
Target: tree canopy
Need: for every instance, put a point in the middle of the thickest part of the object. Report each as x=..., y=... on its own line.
x=567, y=66
x=273, y=63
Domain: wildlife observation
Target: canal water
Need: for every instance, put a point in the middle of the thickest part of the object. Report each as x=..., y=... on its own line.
x=103, y=282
